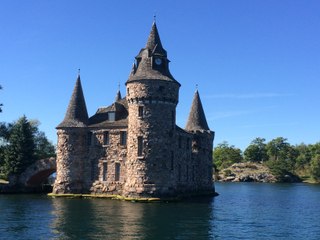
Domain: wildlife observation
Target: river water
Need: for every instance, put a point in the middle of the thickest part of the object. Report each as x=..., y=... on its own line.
x=242, y=211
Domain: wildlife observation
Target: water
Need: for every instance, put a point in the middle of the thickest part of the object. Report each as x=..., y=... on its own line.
x=242, y=211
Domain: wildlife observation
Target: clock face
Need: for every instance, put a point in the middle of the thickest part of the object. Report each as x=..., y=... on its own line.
x=158, y=61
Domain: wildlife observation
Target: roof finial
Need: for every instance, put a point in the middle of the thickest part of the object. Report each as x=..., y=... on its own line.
x=119, y=86
x=196, y=87
x=78, y=71
x=154, y=17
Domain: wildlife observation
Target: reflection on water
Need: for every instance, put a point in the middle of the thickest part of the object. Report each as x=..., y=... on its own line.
x=242, y=211
x=106, y=219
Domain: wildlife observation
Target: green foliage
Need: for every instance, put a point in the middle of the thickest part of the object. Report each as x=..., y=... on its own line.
x=315, y=167
x=256, y=151
x=21, y=144
x=225, y=155
x=20, y=151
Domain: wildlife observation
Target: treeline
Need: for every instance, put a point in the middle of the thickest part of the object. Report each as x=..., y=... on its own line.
x=21, y=144
x=279, y=155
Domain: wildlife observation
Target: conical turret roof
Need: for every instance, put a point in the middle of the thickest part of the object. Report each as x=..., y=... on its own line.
x=197, y=119
x=76, y=115
x=145, y=67
x=118, y=96
x=154, y=43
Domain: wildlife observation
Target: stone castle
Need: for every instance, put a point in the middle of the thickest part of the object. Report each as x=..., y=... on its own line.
x=133, y=148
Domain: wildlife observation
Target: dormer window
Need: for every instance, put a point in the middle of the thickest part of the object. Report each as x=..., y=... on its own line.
x=111, y=116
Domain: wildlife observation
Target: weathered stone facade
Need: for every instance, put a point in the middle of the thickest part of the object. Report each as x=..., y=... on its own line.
x=134, y=148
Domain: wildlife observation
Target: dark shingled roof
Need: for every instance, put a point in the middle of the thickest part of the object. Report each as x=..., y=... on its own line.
x=100, y=118
x=197, y=119
x=76, y=115
x=143, y=69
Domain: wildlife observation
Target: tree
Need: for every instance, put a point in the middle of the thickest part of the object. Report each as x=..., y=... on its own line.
x=44, y=148
x=304, y=156
x=315, y=167
x=256, y=151
x=20, y=152
x=21, y=144
x=224, y=155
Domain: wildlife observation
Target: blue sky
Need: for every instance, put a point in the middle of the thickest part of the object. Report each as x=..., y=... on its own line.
x=257, y=63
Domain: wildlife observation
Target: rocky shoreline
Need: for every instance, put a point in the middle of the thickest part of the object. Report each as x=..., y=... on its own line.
x=250, y=172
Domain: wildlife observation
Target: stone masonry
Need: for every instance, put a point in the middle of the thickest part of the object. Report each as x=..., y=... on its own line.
x=133, y=148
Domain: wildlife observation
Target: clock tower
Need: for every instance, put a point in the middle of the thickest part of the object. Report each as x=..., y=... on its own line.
x=152, y=95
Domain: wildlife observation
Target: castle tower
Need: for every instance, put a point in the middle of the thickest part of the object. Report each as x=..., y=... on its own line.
x=71, y=146
x=152, y=95
x=202, y=144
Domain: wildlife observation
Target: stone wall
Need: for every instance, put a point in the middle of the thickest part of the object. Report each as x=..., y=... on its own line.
x=108, y=160
x=71, y=160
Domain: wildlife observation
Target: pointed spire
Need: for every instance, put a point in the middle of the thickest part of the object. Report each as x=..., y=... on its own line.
x=154, y=43
x=76, y=115
x=197, y=119
x=118, y=95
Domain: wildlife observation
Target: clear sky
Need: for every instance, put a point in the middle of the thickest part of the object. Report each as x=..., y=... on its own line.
x=257, y=63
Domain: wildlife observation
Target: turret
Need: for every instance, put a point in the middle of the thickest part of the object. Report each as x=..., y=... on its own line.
x=152, y=95
x=71, y=147
x=202, y=143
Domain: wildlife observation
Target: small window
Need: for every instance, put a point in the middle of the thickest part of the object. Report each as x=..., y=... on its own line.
x=173, y=119
x=123, y=138
x=111, y=116
x=193, y=173
x=188, y=143
x=104, y=171
x=140, y=111
x=172, y=160
x=140, y=146
x=179, y=141
x=128, y=91
x=92, y=170
x=179, y=172
x=89, y=138
x=161, y=88
x=106, y=138
x=117, y=172
x=187, y=173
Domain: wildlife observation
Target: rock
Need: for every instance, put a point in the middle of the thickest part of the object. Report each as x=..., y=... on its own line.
x=246, y=172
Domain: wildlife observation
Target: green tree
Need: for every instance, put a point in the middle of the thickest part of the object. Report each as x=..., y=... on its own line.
x=44, y=148
x=20, y=152
x=256, y=151
x=225, y=155
x=304, y=156
x=315, y=167
x=282, y=158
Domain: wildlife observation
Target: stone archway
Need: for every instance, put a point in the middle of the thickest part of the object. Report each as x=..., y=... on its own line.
x=38, y=172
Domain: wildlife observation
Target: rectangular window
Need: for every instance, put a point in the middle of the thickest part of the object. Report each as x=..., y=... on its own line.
x=140, y=111
x=172, y=160
x=117, y=172
x=173, y=116
x=92, y=170
x=188, y=143
x=89, y=138
x=193, y=173
x=140, y=146
x=111, y=116
x=104, y=171
x=187, y=173
x=179, y=172
x=106, y=138
x=123, y=138
x=179, y=141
